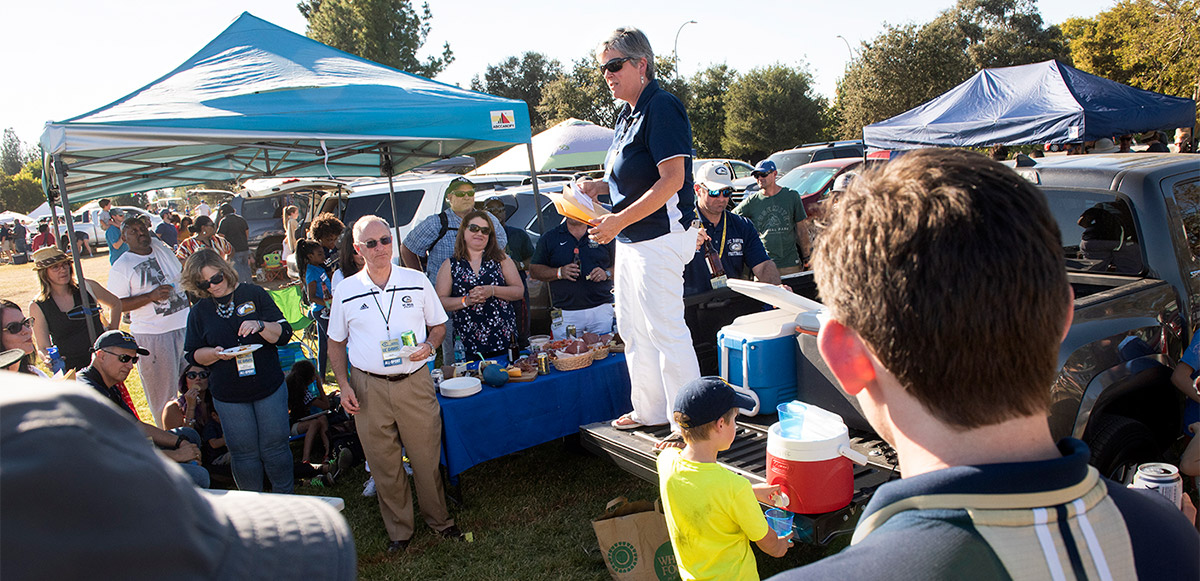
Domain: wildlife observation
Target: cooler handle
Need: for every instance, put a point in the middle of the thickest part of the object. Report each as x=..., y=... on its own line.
x=745, y=364
x=854, y=455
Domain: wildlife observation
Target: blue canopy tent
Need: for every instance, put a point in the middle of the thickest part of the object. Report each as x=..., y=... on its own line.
x=261, y=101
x=1046, y=102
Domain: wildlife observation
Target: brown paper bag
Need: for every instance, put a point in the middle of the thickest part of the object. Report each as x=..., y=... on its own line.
x=634, y=541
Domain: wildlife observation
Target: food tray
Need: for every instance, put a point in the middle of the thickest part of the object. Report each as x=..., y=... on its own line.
x=566, y=362
x=599, y=352
x=532, y=375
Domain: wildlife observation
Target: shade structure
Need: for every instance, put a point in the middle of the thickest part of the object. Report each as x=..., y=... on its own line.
x=571, y=143
x=261, y=101
x=1045, y=102
x=8, y=217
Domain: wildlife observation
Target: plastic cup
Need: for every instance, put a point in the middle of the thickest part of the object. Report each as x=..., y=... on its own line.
x=791, y=419
x=780, y=521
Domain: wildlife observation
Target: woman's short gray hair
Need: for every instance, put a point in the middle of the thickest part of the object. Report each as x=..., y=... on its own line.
x=630, y=42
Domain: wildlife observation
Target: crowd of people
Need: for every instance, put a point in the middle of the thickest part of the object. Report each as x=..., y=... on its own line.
x=206, y=342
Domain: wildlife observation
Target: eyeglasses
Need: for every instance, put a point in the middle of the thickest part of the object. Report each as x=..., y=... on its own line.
x=197, y=375
x=463, y=193
x=615, y=65
x=216, y=279
x=721, y=193
x=123, y=358
x=486, y=230
x=384, y=240
x=16, y=326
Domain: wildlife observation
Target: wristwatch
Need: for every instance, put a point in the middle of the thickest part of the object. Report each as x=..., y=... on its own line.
x=178, y=442
x=608, y=273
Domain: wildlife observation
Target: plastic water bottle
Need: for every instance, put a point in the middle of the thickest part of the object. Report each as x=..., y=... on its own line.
x=459, y=353
x=56, y=363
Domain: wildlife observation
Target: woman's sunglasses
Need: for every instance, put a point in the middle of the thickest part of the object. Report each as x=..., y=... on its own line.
x=197, y=375
x=384, y=240
x=615, y=65
x=16, y=326
x=216, y=279
x=721, y=193
x=123, y=358
x=486, y=230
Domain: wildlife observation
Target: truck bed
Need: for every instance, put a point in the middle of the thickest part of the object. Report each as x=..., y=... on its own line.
x=633, y=451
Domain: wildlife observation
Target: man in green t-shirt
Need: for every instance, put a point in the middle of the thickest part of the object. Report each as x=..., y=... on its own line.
x=778, y=214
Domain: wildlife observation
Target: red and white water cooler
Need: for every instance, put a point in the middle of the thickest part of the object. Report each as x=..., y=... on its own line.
x=812, y=464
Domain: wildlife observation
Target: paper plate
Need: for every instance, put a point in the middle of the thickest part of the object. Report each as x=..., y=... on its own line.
x=460, y=387
x=241, y=349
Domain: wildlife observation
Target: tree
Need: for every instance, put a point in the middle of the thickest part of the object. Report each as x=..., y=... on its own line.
x=22, y=190
x=771, y=108
x=707, y=108
x=389, y=32
x=1148, y=44
x=908, y=65
x=523, y=79
x=581, y=93
x=12, y=154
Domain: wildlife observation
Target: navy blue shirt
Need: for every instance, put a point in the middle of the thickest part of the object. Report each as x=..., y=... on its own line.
x=655, y=130
x=742, y=248
x=557, y=248
x=167, y=233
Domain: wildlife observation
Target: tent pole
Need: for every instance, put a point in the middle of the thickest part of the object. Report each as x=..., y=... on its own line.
x=537, y=205
x=386, y=165
x=60, y=170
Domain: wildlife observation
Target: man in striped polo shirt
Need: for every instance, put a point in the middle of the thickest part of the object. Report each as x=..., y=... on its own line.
x=944, y=276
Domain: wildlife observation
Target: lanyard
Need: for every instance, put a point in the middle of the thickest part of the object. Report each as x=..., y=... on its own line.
x=386, y=318
x=724, y=228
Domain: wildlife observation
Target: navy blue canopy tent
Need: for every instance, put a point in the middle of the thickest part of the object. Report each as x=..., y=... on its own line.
x=261, y=101
x=1046, y=102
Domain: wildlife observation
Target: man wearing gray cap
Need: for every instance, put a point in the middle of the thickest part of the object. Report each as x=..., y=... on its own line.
x=84, y=497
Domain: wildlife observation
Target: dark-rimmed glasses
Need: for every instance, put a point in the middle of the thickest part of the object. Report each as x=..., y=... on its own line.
x=463, y=193
x=615, y=65
x=123, y=358
x=197, y=375
x=384, y=240
x=721, y=193
x=216, y=279
x=486, y=230
x=16, y=326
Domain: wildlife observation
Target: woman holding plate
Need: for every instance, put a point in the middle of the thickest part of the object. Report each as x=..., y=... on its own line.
x=233, y=330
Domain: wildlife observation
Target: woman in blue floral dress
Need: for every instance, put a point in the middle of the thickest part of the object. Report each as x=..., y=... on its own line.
x=478, y=285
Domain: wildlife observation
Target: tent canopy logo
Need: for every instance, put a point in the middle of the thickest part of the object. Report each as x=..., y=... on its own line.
x=503, y=120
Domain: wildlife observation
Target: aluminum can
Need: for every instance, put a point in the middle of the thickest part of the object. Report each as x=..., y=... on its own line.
x=543, y=363
x=571, y=331
x=436, y=374
x=1160, y=477
x=408, y=338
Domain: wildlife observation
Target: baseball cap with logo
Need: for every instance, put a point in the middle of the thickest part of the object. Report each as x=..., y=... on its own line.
x=714, y=176
x=118, y=338
x=763, y=168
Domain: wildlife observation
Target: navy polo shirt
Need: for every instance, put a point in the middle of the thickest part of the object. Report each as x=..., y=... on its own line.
x=655, y=130
x=557, y=248
x=742, y=248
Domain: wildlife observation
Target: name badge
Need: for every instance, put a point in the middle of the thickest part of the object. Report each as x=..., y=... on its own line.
x=391, y=352
x=245, y=364
x=557, y=326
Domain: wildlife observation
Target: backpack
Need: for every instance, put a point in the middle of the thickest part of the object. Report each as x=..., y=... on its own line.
x=441, y=234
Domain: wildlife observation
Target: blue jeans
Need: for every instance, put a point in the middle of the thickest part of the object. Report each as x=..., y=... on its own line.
x=257, y=435
x=193, y=469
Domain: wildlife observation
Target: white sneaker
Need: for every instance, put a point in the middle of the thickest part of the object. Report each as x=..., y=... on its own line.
x=369, y=487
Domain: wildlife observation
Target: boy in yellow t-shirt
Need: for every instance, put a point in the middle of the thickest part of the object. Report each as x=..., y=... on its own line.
x=712, y=513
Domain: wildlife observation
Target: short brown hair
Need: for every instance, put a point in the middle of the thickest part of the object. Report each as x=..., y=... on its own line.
x=196, y=262
x=702, y=431
x=492, y=251
x=950, y=267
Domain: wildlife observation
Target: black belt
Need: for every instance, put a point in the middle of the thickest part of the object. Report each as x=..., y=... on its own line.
x=396, y=377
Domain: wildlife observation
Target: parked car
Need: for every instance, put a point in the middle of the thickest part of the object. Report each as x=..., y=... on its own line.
x=261, y=203
x=789, y=159
x=1132, y=319
x=814, y=181
x=739, y=170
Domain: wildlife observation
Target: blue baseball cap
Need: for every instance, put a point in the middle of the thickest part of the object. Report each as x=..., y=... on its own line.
x=706, y=399
x=764, y=167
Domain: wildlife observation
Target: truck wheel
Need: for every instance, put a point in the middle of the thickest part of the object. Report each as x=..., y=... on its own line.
x=1119, y=445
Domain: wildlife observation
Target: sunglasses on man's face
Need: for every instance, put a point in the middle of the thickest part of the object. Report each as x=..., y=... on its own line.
x=721, y=193
x=15, y=327
x=216, y=279
x=486, y=230
x=615, y=65
x=123, y=358
x=197, y=375
x=384, y=240
x=463, y=193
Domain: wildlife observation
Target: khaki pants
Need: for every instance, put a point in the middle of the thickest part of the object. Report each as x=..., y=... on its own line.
x=403, y=413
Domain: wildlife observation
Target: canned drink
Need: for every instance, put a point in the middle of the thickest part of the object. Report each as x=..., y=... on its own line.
x=543, y=363
x=1162, y=478
x=408, y=338
x=436, y=374
x=571, y=331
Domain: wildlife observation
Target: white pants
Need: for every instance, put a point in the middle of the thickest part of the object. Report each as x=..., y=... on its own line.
x=598, y=320
x=160, y=369
x=649, y=294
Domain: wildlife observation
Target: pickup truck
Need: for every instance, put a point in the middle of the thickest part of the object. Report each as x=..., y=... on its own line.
x=1131, y=235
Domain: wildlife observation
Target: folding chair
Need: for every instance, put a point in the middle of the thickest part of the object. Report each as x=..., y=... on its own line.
x=290, y=300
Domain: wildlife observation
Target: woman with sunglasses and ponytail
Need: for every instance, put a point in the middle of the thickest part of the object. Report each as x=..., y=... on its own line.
x=16, y=332
x=478, y=285
x=648, y=176
x=188, y=408
x=233, y=330
x=59, y=318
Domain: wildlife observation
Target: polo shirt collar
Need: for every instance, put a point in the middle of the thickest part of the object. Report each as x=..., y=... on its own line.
x=647, y=92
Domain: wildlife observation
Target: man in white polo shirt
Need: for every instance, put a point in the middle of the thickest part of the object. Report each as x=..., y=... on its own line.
x=392, y=393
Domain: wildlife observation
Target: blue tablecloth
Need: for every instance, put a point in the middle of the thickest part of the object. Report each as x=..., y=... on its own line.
x=499, y=421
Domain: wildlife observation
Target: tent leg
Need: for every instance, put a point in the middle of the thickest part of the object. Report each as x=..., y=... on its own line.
x=60, y=171
x=537, y=204
x=387, y=168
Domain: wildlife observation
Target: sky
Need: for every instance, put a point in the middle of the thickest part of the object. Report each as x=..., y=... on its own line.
x=68, y=57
